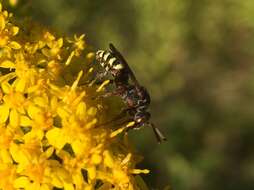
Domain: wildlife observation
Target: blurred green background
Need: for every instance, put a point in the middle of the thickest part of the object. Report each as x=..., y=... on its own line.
x=196, y=59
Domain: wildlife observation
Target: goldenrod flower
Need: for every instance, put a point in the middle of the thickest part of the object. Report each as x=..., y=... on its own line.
x=50, y=135
x=13, y=2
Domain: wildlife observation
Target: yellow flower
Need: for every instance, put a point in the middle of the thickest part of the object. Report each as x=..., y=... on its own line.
x=12, y=106
x=50, y=132
x=7, y=176
x=13, y=2
x=78, y=44
x=7, y=31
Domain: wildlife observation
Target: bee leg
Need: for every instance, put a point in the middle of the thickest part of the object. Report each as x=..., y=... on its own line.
x=109, y=94
x=114, y=120
x=117, y=92
x=105, y=95
x=97, y=79
x=121, y=115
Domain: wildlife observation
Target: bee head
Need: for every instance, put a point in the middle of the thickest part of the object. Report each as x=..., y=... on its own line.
x=142, y=118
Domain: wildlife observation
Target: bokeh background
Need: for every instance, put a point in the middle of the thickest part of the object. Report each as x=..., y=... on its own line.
x=196, y=59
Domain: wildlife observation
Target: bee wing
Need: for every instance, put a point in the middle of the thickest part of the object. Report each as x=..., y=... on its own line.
x=123, y=61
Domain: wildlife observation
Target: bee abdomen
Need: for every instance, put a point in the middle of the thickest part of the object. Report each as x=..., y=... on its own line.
x=107, y=56
x=108, y=61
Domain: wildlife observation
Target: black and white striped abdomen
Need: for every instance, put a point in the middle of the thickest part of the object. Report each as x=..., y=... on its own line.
x=108, y=61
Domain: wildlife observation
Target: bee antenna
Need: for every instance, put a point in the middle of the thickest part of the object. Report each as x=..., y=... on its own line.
x=158, y=134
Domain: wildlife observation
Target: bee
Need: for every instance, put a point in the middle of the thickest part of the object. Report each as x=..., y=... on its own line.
x=135, y=96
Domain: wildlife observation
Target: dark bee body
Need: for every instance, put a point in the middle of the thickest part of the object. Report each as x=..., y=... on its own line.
x=135, y=96
x=137, y=100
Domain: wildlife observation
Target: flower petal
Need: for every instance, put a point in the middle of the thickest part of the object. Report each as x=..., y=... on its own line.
x=21, y=182
x=14, y=118
x=2, y=22
x=7, y=64
x=4, y=110
x=6, y=87
x=56, y=138
x=14, y=45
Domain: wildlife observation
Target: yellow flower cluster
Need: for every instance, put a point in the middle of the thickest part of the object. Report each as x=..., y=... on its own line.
x=49, y=138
